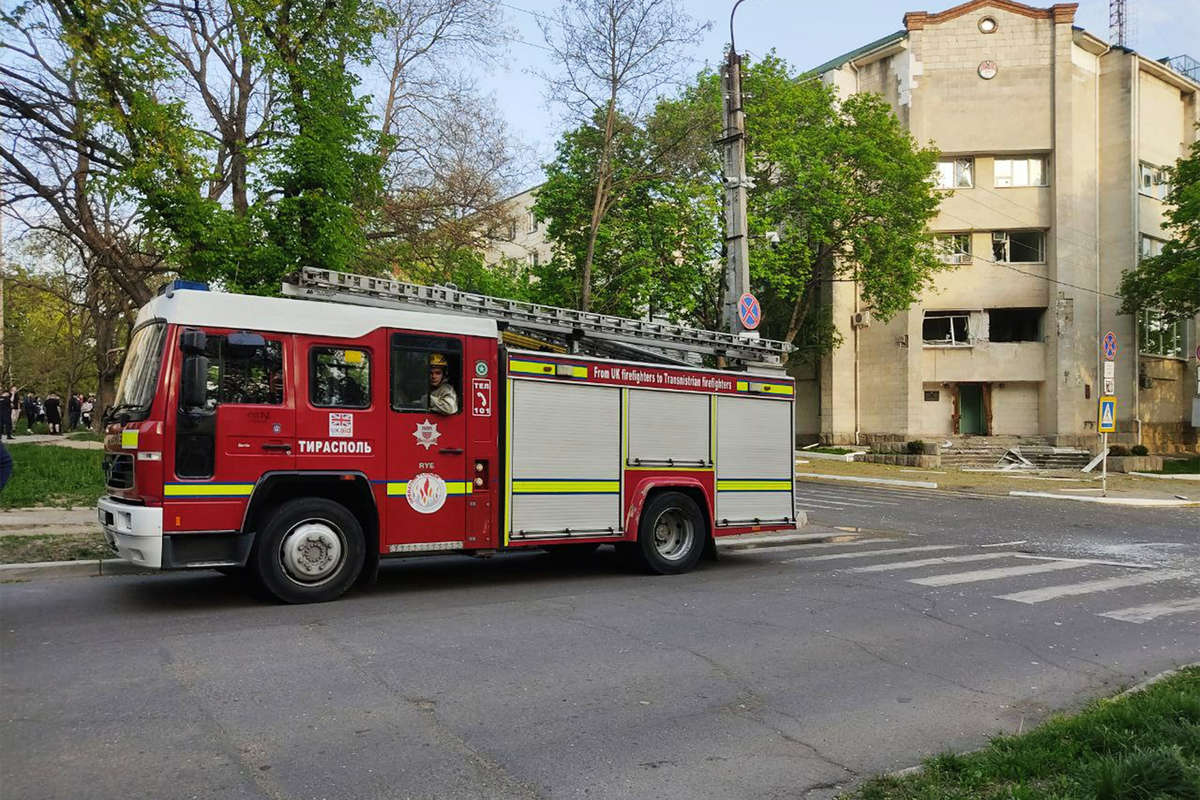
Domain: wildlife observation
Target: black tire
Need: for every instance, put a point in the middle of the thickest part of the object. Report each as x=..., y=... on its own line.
x=672, y=534
x=311, y=550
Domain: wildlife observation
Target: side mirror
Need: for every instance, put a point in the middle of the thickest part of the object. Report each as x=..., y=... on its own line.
x=193, y=342
x=244, y=345
x=193, y=383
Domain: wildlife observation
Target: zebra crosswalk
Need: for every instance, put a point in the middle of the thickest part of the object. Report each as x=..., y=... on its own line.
x=1118, y=589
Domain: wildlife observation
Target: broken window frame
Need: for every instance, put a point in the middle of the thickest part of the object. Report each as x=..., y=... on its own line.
x=953, y=337
x=1153, y=181
x=1161, y=335
x=1019, y=172
x=955, y=173
x=1149, y=246
x=1035, y=315
x=1002, y=249
x=953, y=248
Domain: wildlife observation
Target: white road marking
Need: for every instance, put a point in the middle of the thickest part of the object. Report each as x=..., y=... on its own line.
x=826, y=506
x=802, y=499
x=869, y=553
x=1140, y=614
x=1126, y=564
x=849, y=499
x=930, y=562
x=1088, y=587
x=1006, y=544
x=824, y=545
x=995, y=574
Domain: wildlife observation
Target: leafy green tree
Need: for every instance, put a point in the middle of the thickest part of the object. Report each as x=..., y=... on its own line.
x=652, y=252
x=1171, y=280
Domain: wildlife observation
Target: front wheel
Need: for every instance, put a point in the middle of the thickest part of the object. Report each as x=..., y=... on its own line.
x=312, y=550
x=671, y=534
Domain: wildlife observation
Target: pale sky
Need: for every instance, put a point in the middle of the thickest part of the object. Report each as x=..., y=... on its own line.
x=806, y=34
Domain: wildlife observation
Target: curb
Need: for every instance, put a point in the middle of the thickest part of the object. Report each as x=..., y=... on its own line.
x=1184, y=476
x=71, y=569
x=916, y=769
x=860, y=479
x=1140, y=502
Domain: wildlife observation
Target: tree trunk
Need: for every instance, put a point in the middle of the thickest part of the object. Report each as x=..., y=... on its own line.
x=599, y=202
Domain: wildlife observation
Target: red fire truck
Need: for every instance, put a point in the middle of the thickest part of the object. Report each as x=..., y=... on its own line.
x=301, y=440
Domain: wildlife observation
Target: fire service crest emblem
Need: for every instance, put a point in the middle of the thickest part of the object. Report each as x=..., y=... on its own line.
x=426, y=433
x=426, y=493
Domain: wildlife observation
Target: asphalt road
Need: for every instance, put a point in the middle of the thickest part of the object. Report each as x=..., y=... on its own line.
x=772, y=673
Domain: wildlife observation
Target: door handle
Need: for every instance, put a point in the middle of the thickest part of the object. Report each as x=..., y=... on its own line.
x=451, y=451
x=279, y=447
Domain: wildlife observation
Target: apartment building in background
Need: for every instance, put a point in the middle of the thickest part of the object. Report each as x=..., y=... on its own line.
x=525, y=238
x=1053, y=148
x=1053, y=145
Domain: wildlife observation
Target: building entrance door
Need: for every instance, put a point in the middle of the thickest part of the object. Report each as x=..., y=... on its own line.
x=970, y=409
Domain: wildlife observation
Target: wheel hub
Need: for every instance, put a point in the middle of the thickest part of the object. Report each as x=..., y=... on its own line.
x=311, y=552
x=673, y=533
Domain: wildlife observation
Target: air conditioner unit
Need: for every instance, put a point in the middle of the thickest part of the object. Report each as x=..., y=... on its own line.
x=961, y=258
x=860, y=319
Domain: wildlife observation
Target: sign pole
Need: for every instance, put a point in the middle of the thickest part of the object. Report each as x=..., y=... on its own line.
x=1104, y=465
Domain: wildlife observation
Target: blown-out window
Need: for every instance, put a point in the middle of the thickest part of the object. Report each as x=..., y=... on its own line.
x=946, y=328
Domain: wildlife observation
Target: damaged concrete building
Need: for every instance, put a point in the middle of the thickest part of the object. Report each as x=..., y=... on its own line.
x=1053, y=144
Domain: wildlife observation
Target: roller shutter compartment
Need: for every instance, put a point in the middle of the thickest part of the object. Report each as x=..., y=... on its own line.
x=566, y=453
x=668, y=429
x=754, y=460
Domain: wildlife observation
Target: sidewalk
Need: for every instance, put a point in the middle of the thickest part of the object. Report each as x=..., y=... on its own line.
x=59, y=441
x=38, y=521
x=1123, y=489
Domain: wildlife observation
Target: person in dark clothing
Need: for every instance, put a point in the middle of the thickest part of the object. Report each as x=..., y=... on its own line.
x=73, y=405
x=6, y=420
x=30, y=409
x=6, y=465
x=53, y=410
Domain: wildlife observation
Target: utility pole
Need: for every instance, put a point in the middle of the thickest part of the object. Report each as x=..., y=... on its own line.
x=733, y=141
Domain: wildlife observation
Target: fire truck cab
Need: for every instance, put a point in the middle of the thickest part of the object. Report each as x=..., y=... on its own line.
x=301, y=441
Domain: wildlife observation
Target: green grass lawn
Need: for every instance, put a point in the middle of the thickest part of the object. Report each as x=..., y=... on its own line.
x=1182, y=466
x=1143, y=746
x=45, y=475
x=53, y=547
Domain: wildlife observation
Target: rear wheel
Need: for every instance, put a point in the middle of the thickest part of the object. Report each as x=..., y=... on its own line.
x=671, y=535
x=310, y=551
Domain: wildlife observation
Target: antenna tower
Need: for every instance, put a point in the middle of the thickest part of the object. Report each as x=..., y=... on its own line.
x=1120, y=28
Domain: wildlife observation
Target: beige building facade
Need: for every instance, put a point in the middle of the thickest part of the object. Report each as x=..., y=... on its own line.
x=1053, y=146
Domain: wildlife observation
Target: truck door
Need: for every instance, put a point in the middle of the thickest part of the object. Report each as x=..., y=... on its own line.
x=428, y=484
x=246, y=427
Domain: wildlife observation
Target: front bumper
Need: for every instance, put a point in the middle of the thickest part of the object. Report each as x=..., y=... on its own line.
x=136, y=532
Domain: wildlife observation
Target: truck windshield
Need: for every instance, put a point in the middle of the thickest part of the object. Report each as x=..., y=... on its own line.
x=135, y=390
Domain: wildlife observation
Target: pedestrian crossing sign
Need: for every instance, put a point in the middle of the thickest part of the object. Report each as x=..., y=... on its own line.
x=1108, y=414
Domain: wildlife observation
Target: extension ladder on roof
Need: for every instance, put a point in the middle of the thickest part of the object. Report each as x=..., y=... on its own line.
x=577, y=328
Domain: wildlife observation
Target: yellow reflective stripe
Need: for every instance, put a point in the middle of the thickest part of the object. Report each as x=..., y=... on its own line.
x=543, y=368
x=566, y=487
x=765, y=388
x=129, y=440
x=754, y=486
x=453, y=488
x=208, y=489
x=531, y=367
x=771, y=388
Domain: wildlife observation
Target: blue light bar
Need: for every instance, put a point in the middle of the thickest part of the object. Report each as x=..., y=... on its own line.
x=177, y=284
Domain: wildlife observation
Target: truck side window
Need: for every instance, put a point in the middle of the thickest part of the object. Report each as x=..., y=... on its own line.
x=249, y=377
x=412, y=358
x=339, y=377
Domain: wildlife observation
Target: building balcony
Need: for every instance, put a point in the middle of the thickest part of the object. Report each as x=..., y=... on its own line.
x=984, y=361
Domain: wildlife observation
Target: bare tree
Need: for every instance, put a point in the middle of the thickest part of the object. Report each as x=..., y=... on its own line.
x=614, y=58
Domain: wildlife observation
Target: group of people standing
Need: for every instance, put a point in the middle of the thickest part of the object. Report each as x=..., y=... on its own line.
x=14, y=405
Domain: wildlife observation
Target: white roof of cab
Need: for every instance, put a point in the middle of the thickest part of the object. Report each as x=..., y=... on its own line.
x=311, y=317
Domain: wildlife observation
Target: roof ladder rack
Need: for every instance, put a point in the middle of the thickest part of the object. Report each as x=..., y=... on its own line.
x=569, y=325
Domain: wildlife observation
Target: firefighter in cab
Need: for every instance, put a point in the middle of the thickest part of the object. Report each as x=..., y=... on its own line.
x=442, y=399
